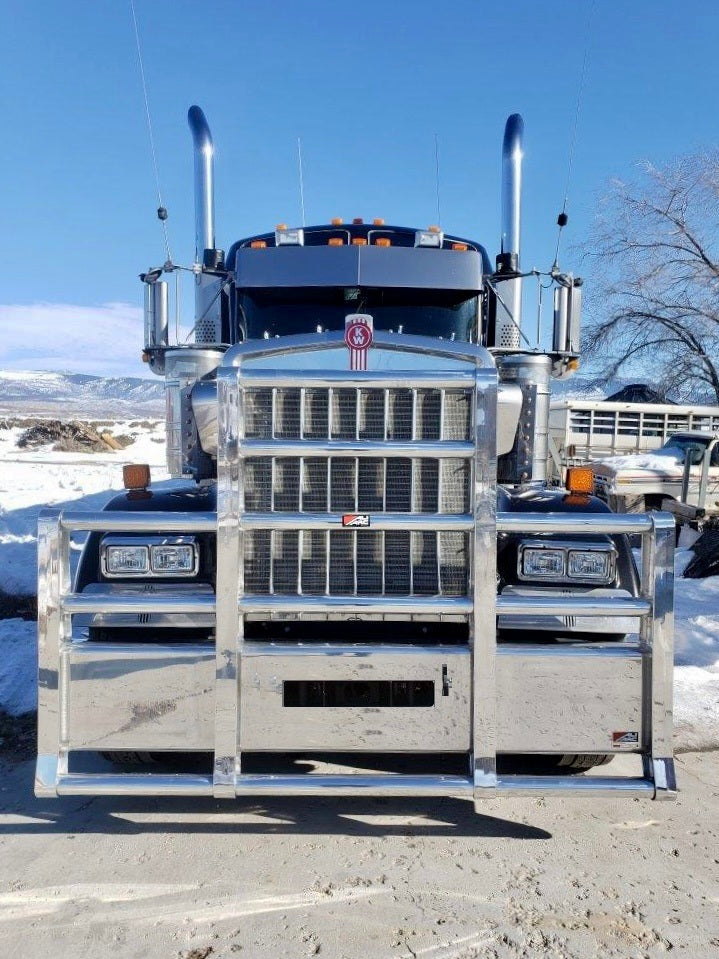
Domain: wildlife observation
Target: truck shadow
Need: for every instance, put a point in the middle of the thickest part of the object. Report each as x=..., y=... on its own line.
x=22, y=814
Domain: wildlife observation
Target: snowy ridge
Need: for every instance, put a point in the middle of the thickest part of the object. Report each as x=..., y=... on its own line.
x=79, y=394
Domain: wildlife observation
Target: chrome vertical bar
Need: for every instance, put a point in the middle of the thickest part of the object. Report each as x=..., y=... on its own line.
x=384, y=489
x=412, y=462
x=440, y=467
x=300, y=533
x=657, y=632
x=49, y=633
x=328, y=542
x=230, y=582
x=483, y=637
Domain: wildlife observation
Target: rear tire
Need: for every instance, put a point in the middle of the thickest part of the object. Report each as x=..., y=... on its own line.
x=580, y=761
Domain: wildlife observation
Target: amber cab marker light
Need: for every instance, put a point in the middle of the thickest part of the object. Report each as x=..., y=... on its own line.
x=378, y=221
x=383, y=241
x=580, y=479
x=281, y=226
x=258, y=244
x=433, y=228
x=335, y=241
x=136, y=476
x=336, y=221
x=462, y=247
x=359, y=241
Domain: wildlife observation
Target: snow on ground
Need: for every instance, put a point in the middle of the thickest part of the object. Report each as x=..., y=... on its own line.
x=31, y=479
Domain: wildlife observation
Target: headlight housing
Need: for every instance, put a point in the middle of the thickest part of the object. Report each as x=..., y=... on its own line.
x=568, y=562
x=122, y=557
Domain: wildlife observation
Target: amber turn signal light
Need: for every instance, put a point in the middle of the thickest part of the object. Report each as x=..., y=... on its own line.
x=580, y=479
x=136, y=476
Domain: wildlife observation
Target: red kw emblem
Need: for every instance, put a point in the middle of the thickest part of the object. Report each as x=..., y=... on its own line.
x=358, y=337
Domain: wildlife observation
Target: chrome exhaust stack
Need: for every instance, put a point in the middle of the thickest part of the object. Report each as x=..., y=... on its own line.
x=207, y=256
x=509, y=286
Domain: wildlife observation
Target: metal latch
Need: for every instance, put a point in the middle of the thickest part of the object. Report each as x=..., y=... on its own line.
x=446, y=680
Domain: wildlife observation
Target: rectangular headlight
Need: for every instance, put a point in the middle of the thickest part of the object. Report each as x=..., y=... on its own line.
x=180, y=558
x=542, y=563
x=125, y=560
x=594, y=565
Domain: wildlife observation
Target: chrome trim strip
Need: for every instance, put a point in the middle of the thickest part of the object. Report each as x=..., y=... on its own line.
x=572, y=606
x=123, y=522
x=457, y=606
x=441, y=522
x=582, y=650
x=562, y=523
x=351, y=650
x=483, y=579
x=375, y=379
x=358, y=448
x=230, y=581
x=157, y=602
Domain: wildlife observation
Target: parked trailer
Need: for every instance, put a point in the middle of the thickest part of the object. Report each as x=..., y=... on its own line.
x=582, y=431
x=365, y=555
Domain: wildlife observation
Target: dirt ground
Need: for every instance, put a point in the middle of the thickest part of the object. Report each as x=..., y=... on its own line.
x=359, y=878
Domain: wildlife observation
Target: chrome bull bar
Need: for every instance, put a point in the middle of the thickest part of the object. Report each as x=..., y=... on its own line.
x=68, y=666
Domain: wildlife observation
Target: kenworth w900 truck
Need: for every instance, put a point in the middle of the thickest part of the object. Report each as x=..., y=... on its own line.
x=364, y=557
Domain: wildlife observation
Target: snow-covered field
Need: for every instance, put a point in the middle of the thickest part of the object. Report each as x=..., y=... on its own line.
x=30, y=480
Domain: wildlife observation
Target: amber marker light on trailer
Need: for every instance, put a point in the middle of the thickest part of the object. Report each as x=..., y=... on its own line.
x=383, y=241
x=580, y=479
x=136, y=476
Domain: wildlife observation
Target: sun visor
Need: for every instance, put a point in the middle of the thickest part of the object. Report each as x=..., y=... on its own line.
x=408, y=267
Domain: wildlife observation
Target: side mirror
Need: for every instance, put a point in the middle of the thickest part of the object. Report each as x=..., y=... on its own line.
x=156, y=324
x=567, y=315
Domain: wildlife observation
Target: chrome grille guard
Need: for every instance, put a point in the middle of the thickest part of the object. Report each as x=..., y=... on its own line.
x=311, y=365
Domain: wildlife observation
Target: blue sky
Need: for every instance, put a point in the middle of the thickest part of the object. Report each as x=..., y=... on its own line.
x=366, y=85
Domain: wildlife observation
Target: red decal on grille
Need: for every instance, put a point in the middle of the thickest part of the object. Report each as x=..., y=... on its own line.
x=355, y=519
x=358, y=337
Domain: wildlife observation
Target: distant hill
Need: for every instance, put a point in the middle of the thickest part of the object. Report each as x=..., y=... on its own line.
x=63, y=395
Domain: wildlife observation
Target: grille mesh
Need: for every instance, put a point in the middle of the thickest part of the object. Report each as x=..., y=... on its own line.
x=357, y=562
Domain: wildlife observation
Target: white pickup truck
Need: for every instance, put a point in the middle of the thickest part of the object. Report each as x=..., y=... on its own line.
x=641, y=481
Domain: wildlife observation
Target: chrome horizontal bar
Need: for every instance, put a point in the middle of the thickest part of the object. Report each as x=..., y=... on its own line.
x=107, y=602
x=311, y=784
x=133, y=784
x=560, y=523
x=360, y=448
x=460, y=605
x=123, y=522
x=583, y=650
x=352, y=785
x=377, y=379
x=574, y=785
x=572, y=606
x=435, y=522
x=350, y=650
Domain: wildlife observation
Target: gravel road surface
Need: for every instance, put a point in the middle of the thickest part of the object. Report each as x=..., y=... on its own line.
x=362, y=878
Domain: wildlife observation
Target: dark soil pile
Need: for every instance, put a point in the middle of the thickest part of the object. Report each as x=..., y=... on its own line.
x=72, y=437
x=18, y=736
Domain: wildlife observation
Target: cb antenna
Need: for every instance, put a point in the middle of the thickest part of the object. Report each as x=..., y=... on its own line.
x=563, y=217
x=161, y=209
x=302, y=179
x=436, y=177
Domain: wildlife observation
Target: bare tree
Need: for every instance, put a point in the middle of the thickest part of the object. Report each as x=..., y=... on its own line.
x=656, y=299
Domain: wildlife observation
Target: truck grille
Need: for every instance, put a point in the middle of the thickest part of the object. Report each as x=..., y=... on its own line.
x=353, y=562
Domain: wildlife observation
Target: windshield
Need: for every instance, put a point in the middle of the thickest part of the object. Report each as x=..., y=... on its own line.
x=266, y=313
x=696, y=444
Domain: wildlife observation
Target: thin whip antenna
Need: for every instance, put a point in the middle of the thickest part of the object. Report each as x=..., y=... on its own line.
x=562, y=218
x=436, y=176
x=302, y=179
x=161, y=212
